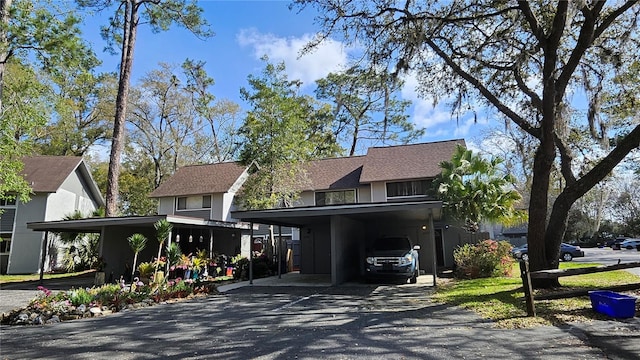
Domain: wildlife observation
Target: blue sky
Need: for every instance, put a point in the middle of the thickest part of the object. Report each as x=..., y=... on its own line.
x=247, y=30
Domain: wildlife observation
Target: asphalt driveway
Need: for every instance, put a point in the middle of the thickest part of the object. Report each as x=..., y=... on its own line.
x=351, y=322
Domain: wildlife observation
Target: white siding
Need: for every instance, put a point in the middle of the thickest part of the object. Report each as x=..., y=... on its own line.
x=217, y=207
x=378, y=192
x=364, y=194
x=227, y=202
x=166, y=206
x=83, y=200
x=60, y=204
x=26, y=244
x=307, y=198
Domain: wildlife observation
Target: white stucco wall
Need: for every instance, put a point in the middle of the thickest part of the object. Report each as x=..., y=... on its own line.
x=26, y=245
x=378, y=192
x=166, y=206
x=24, y=257
x=307, y=198
x=227, y=203
x=364, y=194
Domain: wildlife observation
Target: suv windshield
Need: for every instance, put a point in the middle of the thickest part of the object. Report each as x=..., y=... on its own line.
x=392, y=244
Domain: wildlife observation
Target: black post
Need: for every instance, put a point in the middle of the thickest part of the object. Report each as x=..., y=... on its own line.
x=526, y=286
x=279, y=252
x=251, y=256
x=43, y=254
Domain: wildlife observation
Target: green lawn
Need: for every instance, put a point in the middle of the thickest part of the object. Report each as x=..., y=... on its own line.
x=502, y=299
x=29, y=277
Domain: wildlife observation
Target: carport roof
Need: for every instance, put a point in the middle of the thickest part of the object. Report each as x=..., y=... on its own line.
x=301, y=216
x=97, y=224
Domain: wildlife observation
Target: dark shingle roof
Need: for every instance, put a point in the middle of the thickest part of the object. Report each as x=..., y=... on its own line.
x=406, y=162
x=402, y=162
x=47, y=173
x=335, y=173
x=200, y=179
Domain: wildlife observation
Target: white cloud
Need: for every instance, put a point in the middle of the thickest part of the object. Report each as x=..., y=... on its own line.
x=437, y=119
x=330, y=56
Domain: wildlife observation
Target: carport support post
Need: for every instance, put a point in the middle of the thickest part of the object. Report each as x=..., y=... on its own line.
x=434, y=257
x=251, y=255
x=166, y=264
x=43, y=254
x=211, y=245
x=279, y=247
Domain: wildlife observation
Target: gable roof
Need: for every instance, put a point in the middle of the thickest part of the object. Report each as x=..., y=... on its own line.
x=334, y=173
x=392, y=163
x=47, y=173
x=200, y=179
x=405, y=162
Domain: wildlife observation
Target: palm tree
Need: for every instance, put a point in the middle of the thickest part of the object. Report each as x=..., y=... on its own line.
x=473, y=189
x=173, y=255
x=163, y=230
x=71, y=237
x=81, y=249
x=137, y=242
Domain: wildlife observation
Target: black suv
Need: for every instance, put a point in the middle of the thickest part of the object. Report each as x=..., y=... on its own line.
x=393, y=258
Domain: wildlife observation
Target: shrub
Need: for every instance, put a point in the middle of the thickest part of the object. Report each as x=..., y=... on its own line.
x=241, y=265
x=487, y=258
x=106, y=294
x=262, y=266
x=146, y=269
x=79, y=297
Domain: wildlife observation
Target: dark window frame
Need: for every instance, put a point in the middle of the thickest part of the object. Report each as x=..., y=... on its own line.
x=206, y=201
x=8, y=202
x=320, y=197
x=5, y=245
x=411, y=188
x=180, y=206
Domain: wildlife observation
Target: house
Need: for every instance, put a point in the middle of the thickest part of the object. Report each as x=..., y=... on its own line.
x=61, y=185
x=346, y=203
x=196, y=200
x=205, y=192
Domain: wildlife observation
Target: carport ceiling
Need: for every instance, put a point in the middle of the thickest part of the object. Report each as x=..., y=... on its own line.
x=303, y=216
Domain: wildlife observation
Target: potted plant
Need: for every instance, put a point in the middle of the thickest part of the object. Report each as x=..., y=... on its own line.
x=146, y=269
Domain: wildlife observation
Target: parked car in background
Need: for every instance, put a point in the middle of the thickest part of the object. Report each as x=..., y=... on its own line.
x=567, y=252
x=613, y=243
x=630, y=244
x=393, y=258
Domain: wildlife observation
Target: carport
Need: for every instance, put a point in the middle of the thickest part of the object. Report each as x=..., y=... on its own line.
x=192, y=233
x=334, y=238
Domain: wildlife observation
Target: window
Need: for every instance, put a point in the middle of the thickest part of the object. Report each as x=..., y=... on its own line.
x=335, y=197
x=5, y=244
x=182, y=203
x=408, y=188
x=8, y=202
x=193, y=202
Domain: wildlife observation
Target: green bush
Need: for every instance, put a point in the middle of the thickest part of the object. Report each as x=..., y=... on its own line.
x=262, y=266
x=488, y=258
x=80, y=296
x=107, y=293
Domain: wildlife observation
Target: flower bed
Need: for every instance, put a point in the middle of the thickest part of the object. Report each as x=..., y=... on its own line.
x=73, y=304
